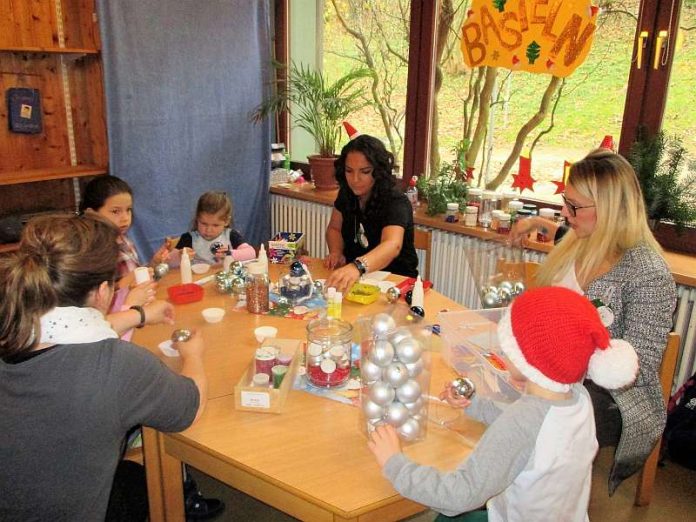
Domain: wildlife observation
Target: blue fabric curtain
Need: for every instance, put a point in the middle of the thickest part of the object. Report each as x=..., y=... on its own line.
x=181, y=77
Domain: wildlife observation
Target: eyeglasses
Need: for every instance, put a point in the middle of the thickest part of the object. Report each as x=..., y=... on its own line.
x=573, y=209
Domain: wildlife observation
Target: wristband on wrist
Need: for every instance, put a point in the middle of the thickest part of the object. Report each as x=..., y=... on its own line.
x=141, y=311
x=361, y=265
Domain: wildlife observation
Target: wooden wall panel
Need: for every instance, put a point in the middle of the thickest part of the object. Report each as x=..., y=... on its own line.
x=50, y=147
x=89, y=123
x=80, y=24
x=28, y=23
x=36, y=197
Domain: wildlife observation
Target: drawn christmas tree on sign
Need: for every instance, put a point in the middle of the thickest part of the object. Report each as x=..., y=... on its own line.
x=533, y=51
x=499, y=5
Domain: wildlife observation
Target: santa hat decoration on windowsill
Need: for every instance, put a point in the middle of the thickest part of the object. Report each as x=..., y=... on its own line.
x=350, y=130
x=555, y=338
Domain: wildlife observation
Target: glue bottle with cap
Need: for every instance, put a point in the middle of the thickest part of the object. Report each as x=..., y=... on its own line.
x=262, y=258
x=185, y=267
x=330, y=302
x=338, y=305
x=417, y=293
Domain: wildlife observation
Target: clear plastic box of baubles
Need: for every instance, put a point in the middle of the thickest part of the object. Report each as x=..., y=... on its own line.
x=499, y=271
x=328, y=356
x=394, y=374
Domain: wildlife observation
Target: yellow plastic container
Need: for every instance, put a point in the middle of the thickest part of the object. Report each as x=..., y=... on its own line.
x=363, y=294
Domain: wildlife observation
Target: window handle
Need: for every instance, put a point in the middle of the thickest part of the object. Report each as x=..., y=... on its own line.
x=660, y=42
x=642, y=44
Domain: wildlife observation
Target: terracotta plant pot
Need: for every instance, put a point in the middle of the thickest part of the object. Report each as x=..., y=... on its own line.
x=323, y=172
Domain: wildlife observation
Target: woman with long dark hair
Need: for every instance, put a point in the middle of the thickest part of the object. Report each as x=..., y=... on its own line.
x=371, y=226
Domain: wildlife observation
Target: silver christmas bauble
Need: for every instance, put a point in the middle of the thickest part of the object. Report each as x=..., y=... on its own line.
x=372, y=410
x=181, y=335
x=382, y=353
x=237, y=268
x=369, y=371
x=238, y=285
x=397, y=335
x=518, y=287
x=223, y=285
x=409, y=430
x=282, y=300
x=505, y=296
x=464, y=387
x=160, y=270
x=491, y=300
x=408, y=350
x=410, y=391
x=381, y=393
x=505, y=285
x=415, y=368
x=318, y=287
x=417, y=312
x=396, y=414
x=489, y=289
x=393, y=294
x=415, y=406
x=382, y=324
x=396, y=374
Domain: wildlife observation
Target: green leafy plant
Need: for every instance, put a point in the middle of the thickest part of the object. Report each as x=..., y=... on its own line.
x=447, y=187
x=318, y=105
x=667, y=181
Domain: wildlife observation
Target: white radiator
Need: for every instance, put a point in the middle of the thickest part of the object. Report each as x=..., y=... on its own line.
x=452, y=273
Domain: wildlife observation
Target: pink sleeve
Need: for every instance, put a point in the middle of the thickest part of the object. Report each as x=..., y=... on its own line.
x=243, y=252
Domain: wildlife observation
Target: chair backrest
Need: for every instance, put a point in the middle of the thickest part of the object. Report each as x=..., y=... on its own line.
x=669, y=364
x=422, y=240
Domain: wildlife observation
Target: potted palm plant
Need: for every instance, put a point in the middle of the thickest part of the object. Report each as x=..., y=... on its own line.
x=319, y=107
x=668, y=182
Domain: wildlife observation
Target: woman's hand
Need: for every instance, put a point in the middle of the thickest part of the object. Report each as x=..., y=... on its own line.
x=342, y=279
x=452, y=398
x=384, y=443
x=521, y=229
x=159, y=312
x=141, y=294
x=333, y=261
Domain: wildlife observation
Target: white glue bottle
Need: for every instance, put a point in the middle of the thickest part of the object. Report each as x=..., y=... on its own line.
x=330, y=302
x=417, y=293
x=338, y=305
x=262, y=258
x=186, y=275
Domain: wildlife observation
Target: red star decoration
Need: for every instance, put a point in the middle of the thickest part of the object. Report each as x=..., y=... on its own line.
x=560, y=185
x=523, y=179
x=469, y=173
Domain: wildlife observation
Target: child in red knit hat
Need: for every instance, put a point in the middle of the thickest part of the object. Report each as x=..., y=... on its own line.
x=534, y=461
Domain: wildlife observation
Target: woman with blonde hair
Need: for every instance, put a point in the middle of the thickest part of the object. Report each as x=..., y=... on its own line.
x=610, y=255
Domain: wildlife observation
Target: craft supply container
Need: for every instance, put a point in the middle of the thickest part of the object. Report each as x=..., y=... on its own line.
x=328, y=356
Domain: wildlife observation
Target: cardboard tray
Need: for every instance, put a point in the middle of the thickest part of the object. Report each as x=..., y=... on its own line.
x=268, y=400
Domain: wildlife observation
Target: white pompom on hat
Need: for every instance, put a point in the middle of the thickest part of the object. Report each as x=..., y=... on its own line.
x=554, y=336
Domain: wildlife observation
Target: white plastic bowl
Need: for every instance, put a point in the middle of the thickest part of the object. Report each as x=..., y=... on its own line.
x=213, y=315
x=264, y=332
x=200, y=268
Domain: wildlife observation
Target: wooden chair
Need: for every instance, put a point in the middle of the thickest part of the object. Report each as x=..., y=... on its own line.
x=422, y=240
x=646, y=478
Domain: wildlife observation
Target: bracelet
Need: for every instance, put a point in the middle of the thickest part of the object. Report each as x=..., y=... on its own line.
x=141, y=311
x=361, y=265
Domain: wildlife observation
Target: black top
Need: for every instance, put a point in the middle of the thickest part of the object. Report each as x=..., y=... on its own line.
x=396, y=210
x=186, y=240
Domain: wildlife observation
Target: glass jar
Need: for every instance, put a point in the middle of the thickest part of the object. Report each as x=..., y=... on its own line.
x=328, y=355
x=452, y=214
x=495, y=219
x=470, y=215
x=513, y=207
x=489, y=203
x=504, y=223
x=543, y=235
x=531, y=207
x=257, y=284
x=506, y=197
x=473, y=197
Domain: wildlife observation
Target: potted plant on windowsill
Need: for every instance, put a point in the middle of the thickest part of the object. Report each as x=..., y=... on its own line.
x=668, y=182
x=319, y=107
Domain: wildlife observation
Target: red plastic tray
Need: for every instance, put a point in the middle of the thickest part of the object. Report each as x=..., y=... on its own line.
x=182, y=294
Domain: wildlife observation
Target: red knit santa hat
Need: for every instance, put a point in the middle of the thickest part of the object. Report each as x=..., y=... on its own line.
x=554, y=336
x=350, y=130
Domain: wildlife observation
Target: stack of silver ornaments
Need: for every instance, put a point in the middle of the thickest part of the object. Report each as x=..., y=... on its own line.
x=232, y=281
x=495, y=296
x=394, y=380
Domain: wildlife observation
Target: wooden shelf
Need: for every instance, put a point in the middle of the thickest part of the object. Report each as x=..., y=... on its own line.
x=54, y=50
x=45, y=174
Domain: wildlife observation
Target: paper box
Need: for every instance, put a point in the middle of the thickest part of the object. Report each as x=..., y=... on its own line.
x=267, y=400
x=284, y=246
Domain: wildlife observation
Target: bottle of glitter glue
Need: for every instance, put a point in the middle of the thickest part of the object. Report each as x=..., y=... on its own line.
x=185, y=267
x=417, y=293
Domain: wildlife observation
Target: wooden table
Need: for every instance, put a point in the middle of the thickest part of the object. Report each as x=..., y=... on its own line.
x=311, y=461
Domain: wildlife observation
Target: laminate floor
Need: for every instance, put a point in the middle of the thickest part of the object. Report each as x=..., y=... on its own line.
x=674, y=498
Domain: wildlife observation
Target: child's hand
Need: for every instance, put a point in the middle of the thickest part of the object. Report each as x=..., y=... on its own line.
x=384, y=443
x=220, y=253
x=159, y=312
x=162, y=254
x=141, y=294
x=453, y=398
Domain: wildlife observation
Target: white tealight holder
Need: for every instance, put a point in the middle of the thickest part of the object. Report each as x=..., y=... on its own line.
x=200, y=268
x=213, y=315
x=265, y=332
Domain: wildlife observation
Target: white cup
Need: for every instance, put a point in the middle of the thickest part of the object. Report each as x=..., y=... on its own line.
x=142, y=275
x=265, y=332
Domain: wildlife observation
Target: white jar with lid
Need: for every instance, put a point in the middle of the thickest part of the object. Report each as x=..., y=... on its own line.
x=471, y=215
x=495, y=219
x=489, y=203
x=504, y=223
x=473, y=197
x=513, y=207
x=506, y=197
x=452, y=214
